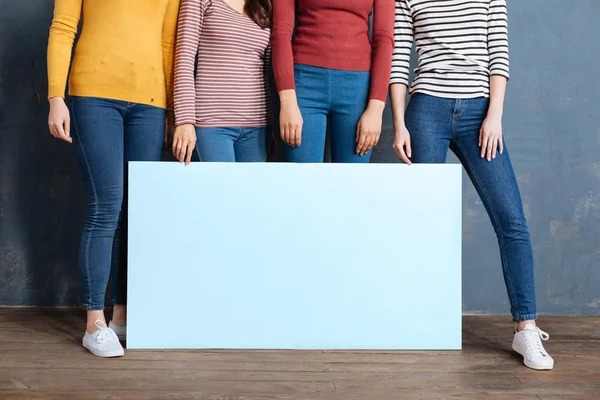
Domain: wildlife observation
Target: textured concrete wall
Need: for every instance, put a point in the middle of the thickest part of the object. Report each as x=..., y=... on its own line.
x=552, y=126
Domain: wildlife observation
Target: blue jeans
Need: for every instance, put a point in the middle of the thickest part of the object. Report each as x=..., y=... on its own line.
x=339, y=97
x=437, y=124
x=106, y=135
x=232, y=144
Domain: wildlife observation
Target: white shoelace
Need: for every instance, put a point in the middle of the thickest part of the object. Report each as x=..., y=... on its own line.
x=104, y=333
x=533, y=339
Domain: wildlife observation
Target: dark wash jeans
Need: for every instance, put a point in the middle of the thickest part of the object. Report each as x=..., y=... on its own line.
x=107, y=134
x=436, y=124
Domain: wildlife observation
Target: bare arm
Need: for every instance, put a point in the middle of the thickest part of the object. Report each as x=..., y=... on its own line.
x=398, y=98
x=497, y=93
x=401, y=135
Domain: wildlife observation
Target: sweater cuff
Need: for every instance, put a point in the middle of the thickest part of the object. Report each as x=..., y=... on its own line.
x=184, y=120
x=379, y=94
x=401, y=80
x=56, y=91
x=285, y=82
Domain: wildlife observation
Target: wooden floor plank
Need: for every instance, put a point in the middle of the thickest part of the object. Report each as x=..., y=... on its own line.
x=563, y=397
x=204, y=395
x=28, y=376
x=450, y=365
x=110, y=382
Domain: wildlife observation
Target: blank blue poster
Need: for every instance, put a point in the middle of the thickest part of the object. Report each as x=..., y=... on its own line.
x=294, y=256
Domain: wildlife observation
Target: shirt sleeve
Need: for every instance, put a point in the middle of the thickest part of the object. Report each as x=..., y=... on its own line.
x=169, y=33
x=191, y=17
x=281, y=41
x=498, y=38
x=267, y=76
x=383, y=45
x=67, y=14
x=403, y=43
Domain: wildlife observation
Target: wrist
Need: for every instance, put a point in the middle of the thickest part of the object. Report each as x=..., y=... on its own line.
x=494, y=114
x=495, y=111
x=399, y=123
x=288, y=97
x=376, y=106
x=57, y=99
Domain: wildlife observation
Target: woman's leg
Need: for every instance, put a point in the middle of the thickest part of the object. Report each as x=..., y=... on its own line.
x=496, y=184
x=251, y=146
x=312, y=92
x=98, y=143
x=350, y=95
x=216, y=144
x=429, y=122
x=497, y=187
x=143, y=140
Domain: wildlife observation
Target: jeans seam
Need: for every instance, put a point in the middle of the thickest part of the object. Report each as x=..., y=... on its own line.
x=94, y=193
x=128, y=106
x=197, y=153
x=499, y=234
x=239, y=136
x=454, y=120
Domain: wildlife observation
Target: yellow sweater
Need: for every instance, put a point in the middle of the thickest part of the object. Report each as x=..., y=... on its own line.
x=125, y=50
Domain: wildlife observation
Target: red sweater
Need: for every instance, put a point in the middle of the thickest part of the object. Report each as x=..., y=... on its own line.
x=334, y=34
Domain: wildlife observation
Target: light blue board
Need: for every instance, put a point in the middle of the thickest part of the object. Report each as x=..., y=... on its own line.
x=294, y=256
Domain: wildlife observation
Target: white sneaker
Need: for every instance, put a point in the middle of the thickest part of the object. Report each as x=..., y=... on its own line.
x=104, y=342
x=121, y=331
x=528, y=343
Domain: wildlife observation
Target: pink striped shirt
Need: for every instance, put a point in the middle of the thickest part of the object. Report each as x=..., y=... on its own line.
x=231, y=87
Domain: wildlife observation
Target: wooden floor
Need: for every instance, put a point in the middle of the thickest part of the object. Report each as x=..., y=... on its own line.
x=41, y=359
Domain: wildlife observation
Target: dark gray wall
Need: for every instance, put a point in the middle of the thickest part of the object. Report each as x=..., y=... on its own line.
x=552, y=127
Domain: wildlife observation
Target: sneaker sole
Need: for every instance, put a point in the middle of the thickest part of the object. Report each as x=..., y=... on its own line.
x=112, y=354
x=531, y=365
